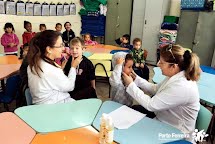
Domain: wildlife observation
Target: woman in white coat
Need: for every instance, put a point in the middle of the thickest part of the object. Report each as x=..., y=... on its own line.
x=47, y=82
x=175, y=100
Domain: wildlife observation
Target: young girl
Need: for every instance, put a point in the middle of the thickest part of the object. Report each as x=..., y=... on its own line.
x=9, y=40
x=88, y=41
x=122, y=62
x=68, y=35
x=27, y=35
x=85, y=77
x=42, y=27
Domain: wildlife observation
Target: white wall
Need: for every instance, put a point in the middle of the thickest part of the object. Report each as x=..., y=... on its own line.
x=50, y=21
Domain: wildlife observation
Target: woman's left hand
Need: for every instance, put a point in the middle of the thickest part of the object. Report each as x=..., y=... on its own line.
x=126, y=79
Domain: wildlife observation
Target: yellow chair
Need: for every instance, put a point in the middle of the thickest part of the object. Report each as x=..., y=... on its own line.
x=103, y=68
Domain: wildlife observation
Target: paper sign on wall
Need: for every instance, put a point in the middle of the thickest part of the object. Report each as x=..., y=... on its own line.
x=66, y=9
x=20, y=7
x=2, y=7
x=10, y=8
x=29, y=11
x=59, y=10
x=53, y=10
x=37, y=9
x=72, y=9
x=45, y=9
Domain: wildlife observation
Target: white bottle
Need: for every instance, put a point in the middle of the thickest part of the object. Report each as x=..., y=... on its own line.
x=109, y=131
x=103, y=122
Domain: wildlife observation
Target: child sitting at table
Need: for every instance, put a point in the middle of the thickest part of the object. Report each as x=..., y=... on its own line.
x=139, y=63
x=88, y=41
x=85, y=77
x=124, y=41
x=122, y=62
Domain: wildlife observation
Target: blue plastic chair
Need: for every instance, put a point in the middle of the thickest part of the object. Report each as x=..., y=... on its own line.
x=28, y=96
x=208, y=69
x=11, y=91
x=203, y=119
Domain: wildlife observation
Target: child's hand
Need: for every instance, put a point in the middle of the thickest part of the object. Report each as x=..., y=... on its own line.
x=137, y=65
x=10, y=44
x=142, y=65
x=120, y=60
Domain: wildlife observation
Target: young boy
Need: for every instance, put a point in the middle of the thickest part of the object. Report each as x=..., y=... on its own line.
x=42, y=27
x=122, y=62
x=85, y=78
x=58, y=27
x=124, y=41
x=139, y=63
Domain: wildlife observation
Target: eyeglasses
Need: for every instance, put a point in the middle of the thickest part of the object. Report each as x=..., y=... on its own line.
x=62, y=45
x=170, y=50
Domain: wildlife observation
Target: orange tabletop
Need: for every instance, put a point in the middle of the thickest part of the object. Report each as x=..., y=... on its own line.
x=13, y=130
x=8, y=70
x=103, y=48
x=84, y=135
x=10, y=59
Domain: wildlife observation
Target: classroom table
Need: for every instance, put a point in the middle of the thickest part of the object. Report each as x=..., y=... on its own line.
x=145, y=131
x=6, y=70
x=103, y=48
x=13, y=130
x=205, y=84
x=9, y=65
x=57, y=117
x=9, y=59
x=84, y=135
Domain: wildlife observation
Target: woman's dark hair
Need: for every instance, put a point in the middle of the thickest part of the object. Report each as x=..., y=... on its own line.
x=66, y=23
x=37, y=48
x=9, y=25
x=25, y=23
x=187, y=61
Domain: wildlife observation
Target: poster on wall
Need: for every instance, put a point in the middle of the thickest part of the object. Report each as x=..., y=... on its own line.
x=59, y=9
x=10, y=7
x=45, y=9
x=37, y=9
x=72, y=9
x=66, y=9
x=2, y=7
x=29, y=11
x=20, y=8
x=53, y=9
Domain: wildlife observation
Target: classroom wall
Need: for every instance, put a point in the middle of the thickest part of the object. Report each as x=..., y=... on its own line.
x=50, y=21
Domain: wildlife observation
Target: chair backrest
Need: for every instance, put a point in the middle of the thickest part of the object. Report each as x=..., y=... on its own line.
x=12, y=86
x=203, y=119
x=28, y=96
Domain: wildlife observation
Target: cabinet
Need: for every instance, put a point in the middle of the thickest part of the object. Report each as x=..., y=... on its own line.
x=118, y=19
x=197, y=32
x=147, y=18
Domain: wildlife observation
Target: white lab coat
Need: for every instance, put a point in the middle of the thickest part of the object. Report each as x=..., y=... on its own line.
x=52, y=86
x=175, y=100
